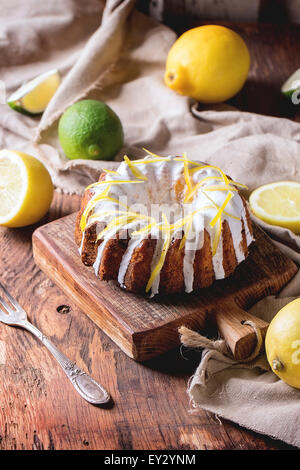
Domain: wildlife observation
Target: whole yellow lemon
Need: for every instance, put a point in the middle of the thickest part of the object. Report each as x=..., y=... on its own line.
x=209, y=63
x=283, y=343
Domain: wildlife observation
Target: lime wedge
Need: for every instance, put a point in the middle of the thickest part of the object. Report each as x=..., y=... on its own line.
x=34, y=96
x=292, y=85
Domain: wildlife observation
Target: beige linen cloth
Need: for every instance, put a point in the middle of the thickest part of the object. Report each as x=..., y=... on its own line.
x=111, y=52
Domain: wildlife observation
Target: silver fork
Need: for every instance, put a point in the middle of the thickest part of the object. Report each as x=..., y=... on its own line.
x=87, y=387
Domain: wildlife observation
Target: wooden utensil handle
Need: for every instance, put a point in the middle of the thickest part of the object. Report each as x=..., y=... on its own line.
x=241, y=338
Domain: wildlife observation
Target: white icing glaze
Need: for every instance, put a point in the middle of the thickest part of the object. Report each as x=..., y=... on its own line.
x=159, y=190
x=97, y=262
x=132, y=245
x=218, y=261
x=81, y=244
x=188, y=267
x=156, y=256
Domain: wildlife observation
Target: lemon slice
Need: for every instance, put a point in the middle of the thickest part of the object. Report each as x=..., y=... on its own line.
x=278, y=204
x=26, y=189
x=292, y=84
x=33, y=96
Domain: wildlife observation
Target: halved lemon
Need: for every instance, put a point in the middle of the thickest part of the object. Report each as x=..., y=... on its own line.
x=26, y=189
x=278, y=204
x=34, y=96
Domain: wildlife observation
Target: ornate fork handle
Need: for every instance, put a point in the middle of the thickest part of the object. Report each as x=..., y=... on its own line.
x=87, y=387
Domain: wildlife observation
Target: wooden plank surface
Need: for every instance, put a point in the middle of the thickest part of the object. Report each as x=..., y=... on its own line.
x=38, y=407
x=144, y=328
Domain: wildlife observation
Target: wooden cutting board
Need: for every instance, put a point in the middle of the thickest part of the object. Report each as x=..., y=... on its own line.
x=144, y=328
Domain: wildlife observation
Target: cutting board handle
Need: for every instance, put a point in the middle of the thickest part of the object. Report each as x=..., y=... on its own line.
x=240, y=337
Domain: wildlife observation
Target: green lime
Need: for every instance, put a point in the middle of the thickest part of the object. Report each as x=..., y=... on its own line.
x=90, y=129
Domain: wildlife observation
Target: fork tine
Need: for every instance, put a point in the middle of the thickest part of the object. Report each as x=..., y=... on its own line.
x=4, y=304
x=11, y=299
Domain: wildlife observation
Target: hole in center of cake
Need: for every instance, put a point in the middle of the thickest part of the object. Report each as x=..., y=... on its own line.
x=161, y=200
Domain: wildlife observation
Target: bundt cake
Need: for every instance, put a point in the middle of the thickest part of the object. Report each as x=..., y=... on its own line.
x=163, y=225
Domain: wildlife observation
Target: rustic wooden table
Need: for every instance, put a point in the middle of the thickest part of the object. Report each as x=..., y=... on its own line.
x=39, y=408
